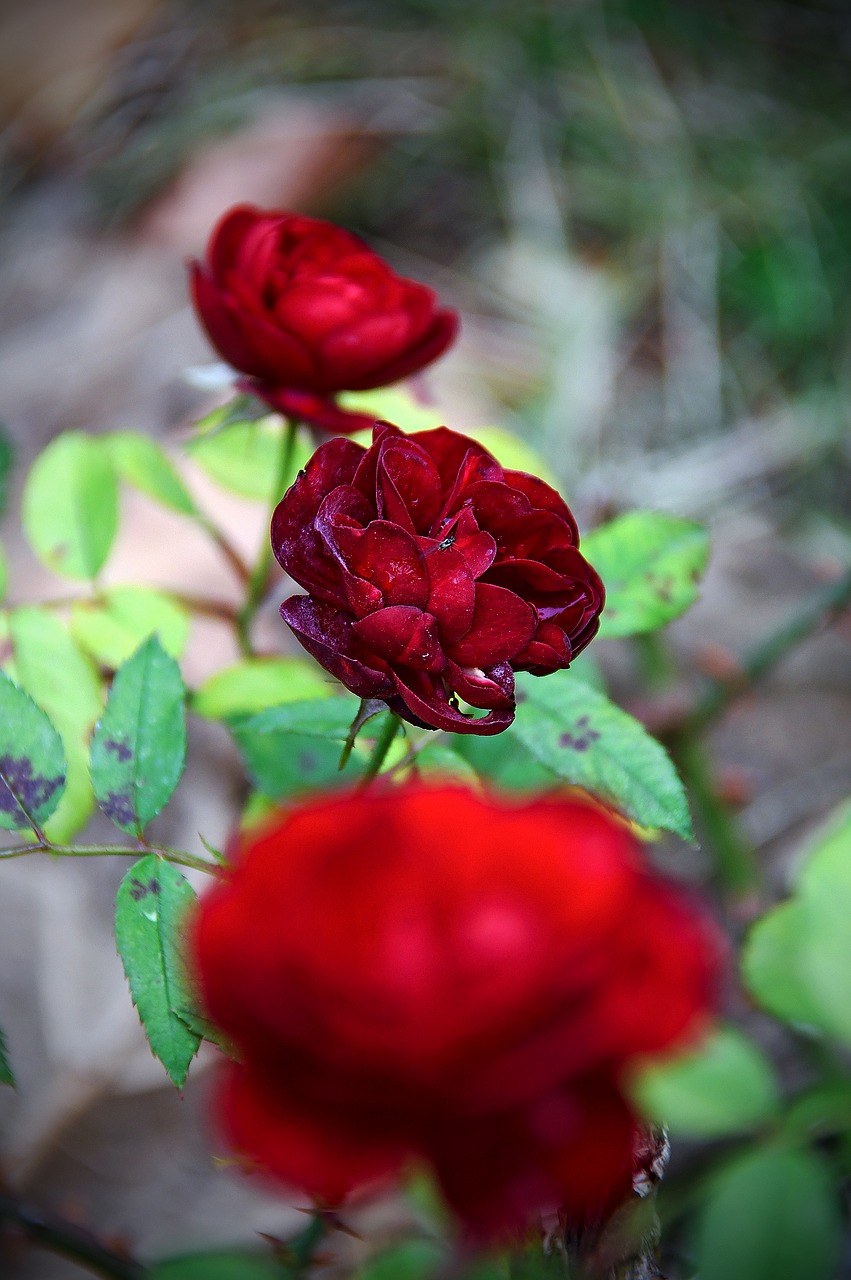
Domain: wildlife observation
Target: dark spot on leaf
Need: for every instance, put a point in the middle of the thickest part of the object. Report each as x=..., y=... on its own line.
x=21, y=789
x=119, y=749
x=520, y=696
x=139, y=890
x=582, y=737
x=307, y=762
x=118, y=807
x=666, y=590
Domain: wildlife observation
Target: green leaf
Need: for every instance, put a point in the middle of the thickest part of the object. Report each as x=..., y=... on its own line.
x=586, y=740
x=224, y=1264
x=244, y=458
x=256, y=811
x=112, y=627
x=773, y=969
x=440, y=764
x=70, y=505
x=771, y=1215
x=411, y=1260
x=504, y=760
x=797, y=960
x=650, y=564
x=61, y=679
x=724, y=1086
x=203, y=1029
x=150, y=908
x=7, y=1076
x=7, y=458
x=145, y=465
x=297, y=747
x=32, y=761
x=312, y=718
x=257, y=683
x=139, y=746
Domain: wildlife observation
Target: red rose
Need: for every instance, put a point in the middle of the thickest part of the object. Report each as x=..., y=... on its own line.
x=305, y=309
x=433, y=574
x=431, y=973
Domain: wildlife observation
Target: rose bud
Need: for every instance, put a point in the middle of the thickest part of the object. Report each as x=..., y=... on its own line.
x=305, y=309
x=430, y=974
x=433, y=575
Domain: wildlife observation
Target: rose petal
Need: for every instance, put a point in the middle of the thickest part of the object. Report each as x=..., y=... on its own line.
x=346, y=509
x=326, y=634
x=491, y=688
x=402, y=634
x=389, y=558
x=315, y=309
x=453, y=453
x=452, y=591
x=313, y=410
x=440, y=335
x=319, y=1151
x=351, y=354
x=430, y=703
x=543, y=497
x=572, y=1151
x=284, y=360
x=223, y=328
x=298, y=547
x=476, y=546
x=502, y=625
x=408, y=489
x=228, y=235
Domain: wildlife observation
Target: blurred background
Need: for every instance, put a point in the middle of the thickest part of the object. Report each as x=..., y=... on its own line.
x=642, y=210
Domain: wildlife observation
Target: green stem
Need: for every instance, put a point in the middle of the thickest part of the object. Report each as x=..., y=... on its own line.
x=260, y=574
x=657, y=665
x=206, y=607
x=176, y=856
x=735, y=862
x=383, y=743
x=226, y=547
x=301, y=1248
x=432, y=738
x=69, y=1241
x=762, y=657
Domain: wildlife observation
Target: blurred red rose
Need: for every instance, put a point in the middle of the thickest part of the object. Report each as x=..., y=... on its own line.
x=432, y=973
x=433, y=574
x=306, y=310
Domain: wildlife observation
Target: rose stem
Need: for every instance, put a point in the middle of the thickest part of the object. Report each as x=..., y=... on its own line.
x=227, y=548
x=301, y=1248
x=175, y=856
x=762, y=657
x=69, y=1241
x=265, y=560
x=383, y=743
x=736, y=862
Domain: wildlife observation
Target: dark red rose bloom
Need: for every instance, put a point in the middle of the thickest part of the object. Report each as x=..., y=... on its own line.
x=433, y=574
x=305, y=309
x=435, y=974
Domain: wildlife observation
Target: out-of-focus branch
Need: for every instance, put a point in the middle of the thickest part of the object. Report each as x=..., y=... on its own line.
x=69, y=1241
